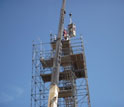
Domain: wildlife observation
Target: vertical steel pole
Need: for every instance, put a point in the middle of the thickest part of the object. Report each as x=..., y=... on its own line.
x=57, y=58
x=53, y=93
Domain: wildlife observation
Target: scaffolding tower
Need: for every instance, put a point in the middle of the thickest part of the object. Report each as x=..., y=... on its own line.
x=73, y=79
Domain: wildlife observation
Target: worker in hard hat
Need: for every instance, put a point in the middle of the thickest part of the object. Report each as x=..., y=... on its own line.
x=65, y=34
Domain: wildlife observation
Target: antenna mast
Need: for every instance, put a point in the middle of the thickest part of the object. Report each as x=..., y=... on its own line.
x=53, y=92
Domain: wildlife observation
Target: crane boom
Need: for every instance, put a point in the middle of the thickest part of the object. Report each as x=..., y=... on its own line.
x=54, y=90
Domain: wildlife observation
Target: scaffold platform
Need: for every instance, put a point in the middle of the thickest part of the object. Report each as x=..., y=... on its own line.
x=75, y=59
x=78, y=74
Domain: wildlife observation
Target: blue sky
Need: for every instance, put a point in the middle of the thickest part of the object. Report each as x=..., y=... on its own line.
x=100, y=21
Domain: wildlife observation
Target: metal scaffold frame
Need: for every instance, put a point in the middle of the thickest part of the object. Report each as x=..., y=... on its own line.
x=73, y=80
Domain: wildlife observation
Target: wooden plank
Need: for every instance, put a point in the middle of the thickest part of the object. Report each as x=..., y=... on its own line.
x=65, y=93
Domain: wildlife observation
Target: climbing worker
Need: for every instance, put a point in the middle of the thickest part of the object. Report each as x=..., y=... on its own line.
x=65, y=34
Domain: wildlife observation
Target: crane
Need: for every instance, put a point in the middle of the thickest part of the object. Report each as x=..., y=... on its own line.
x=54, y=89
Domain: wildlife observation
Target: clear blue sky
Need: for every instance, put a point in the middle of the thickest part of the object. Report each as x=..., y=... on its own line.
x=100, y=21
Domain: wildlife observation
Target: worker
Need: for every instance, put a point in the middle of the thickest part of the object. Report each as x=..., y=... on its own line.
x=65, y=34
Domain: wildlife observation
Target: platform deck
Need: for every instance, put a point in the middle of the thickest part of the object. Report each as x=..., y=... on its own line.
x=65, y=75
